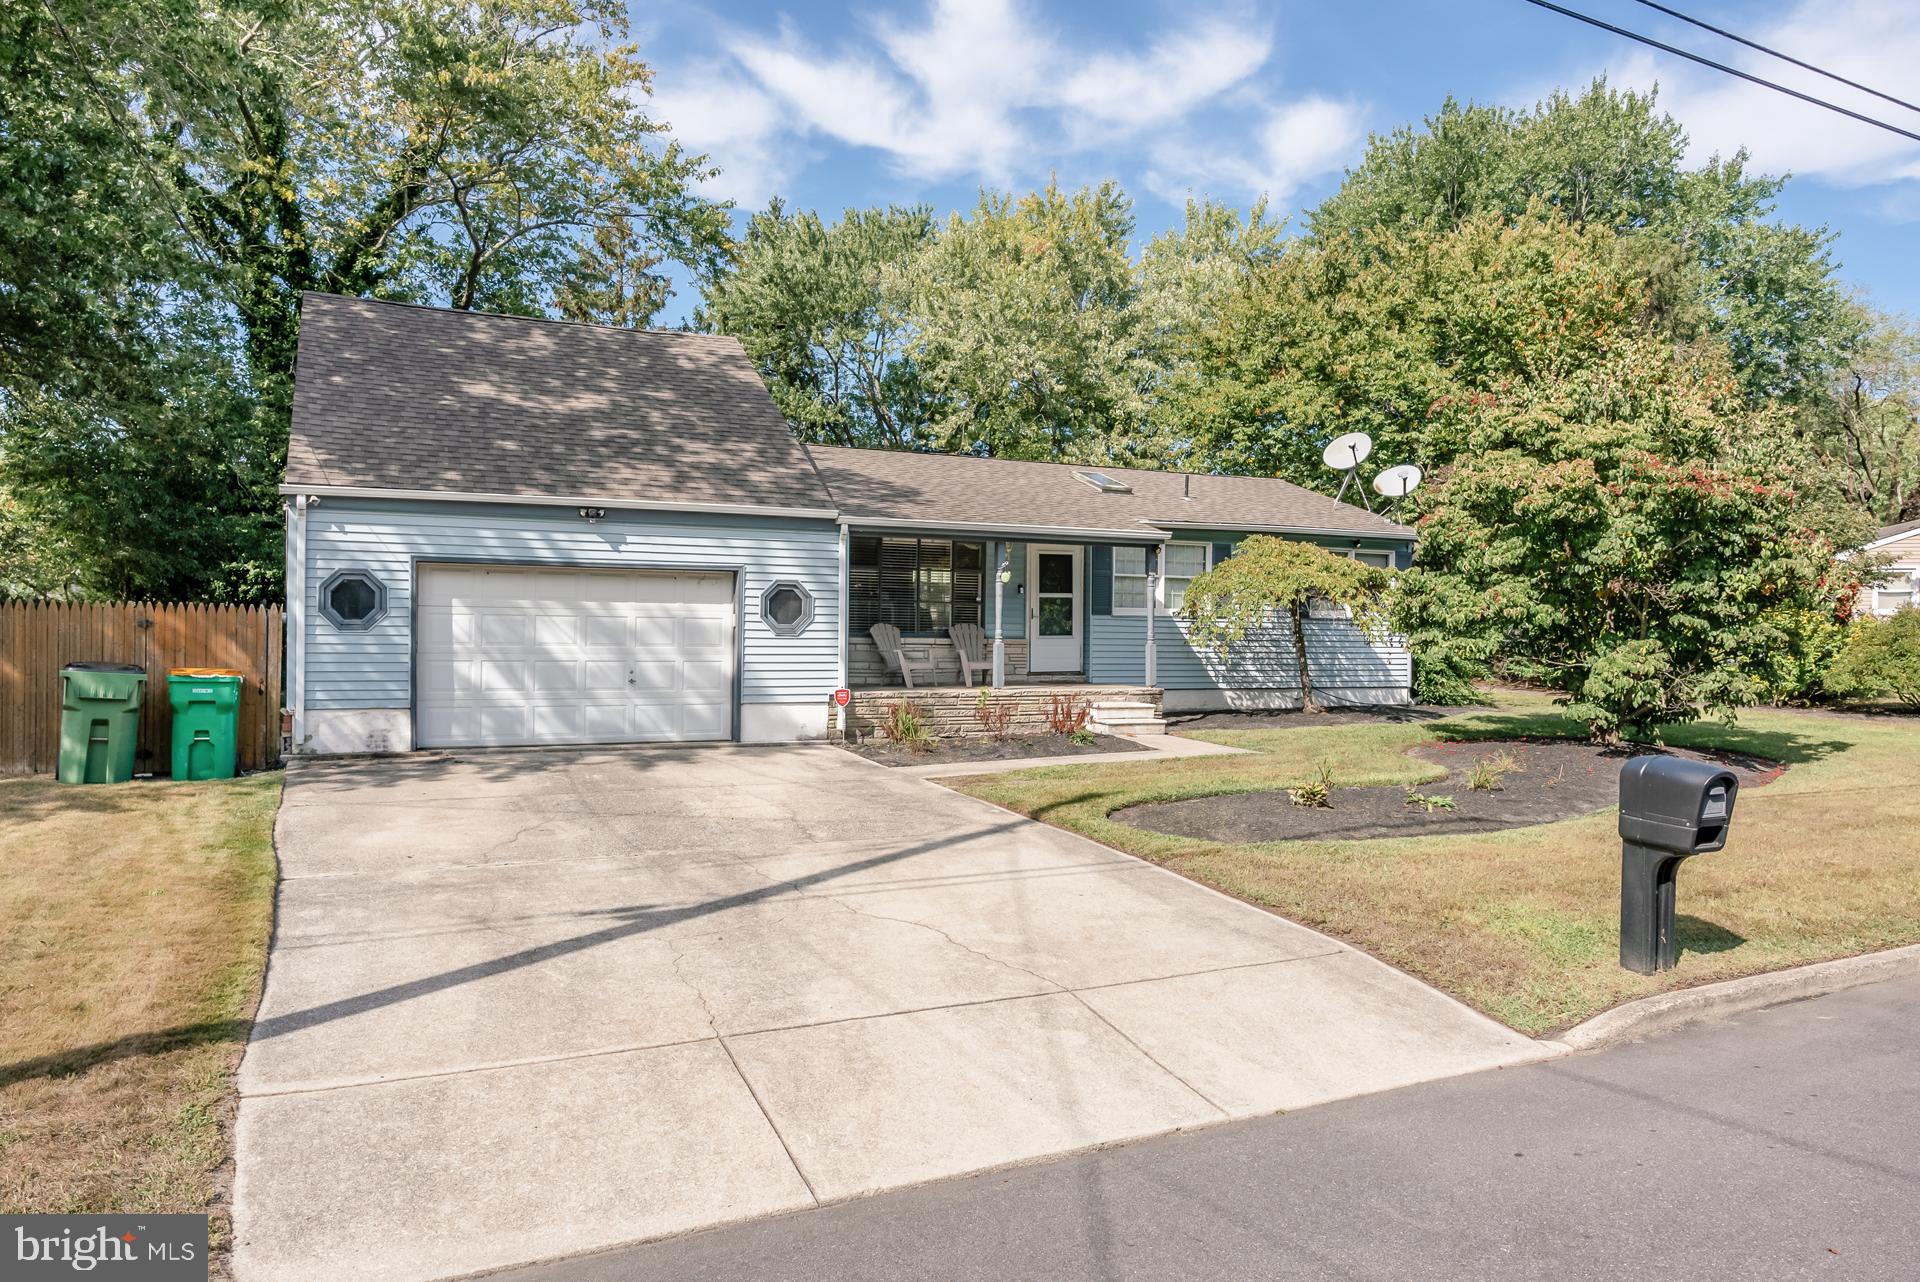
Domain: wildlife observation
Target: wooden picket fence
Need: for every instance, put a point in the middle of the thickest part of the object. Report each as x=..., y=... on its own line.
x=37, y=639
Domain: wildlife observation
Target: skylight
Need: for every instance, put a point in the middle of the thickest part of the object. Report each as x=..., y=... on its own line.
x=1104, y=483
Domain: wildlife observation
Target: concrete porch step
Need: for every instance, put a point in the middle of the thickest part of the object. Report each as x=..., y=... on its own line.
x=1125, y=717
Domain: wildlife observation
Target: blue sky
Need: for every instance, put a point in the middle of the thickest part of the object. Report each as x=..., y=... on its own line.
x=831, y=105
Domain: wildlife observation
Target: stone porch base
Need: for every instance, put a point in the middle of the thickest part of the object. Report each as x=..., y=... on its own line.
x=950, y=711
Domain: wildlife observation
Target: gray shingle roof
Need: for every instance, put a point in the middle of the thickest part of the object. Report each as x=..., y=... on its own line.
x=1895, y=531
x=962, y=490
x=393, y=396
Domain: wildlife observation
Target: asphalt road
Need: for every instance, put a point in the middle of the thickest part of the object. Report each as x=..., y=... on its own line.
x=1782, y=1144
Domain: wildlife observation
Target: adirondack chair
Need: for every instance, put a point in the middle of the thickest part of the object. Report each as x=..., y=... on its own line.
x=887, y=638
x=970, y=641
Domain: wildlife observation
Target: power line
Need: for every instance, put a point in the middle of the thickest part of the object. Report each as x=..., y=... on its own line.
x=1775, y=53
x=1721, y=66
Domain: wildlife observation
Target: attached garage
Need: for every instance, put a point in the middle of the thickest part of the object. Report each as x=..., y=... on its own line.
x=511, y=655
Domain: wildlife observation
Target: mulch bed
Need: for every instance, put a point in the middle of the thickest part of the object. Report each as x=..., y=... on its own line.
x=1557, y=779
x=1294, y=719
x=889, y=753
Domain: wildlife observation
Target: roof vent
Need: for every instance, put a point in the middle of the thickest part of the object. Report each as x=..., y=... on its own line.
x=1104, y=483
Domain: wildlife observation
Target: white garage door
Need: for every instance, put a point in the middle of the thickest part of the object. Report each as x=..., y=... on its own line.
x=520, y=656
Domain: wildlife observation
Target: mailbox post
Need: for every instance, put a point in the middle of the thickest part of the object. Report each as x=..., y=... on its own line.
x=1671, y=808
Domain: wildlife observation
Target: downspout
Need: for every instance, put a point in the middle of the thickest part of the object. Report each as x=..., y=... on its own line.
x=1153, y=605
x=297, y=618
x=1002, y=566
x=846, y=598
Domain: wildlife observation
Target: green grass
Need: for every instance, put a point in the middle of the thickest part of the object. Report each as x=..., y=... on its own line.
x=1823, y=862
x=133, y=929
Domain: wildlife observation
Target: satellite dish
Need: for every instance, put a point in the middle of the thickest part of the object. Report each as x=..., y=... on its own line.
x=1397, y=482
x=1344, y=453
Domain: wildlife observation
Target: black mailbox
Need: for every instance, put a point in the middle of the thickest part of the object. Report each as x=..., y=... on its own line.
x=1670, y=808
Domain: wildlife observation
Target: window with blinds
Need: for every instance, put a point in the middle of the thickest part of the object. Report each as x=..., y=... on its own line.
x=920, y=586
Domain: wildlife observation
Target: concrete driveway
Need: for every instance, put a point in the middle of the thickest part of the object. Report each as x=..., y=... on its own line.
x=528, y=1004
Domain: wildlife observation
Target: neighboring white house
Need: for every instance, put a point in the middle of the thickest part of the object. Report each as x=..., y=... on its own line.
x=1899, y=585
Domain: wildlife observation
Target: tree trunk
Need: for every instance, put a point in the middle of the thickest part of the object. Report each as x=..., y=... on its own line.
x=1307, y=702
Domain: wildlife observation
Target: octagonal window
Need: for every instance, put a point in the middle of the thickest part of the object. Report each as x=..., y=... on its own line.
x=786, y=608
x=353, y=600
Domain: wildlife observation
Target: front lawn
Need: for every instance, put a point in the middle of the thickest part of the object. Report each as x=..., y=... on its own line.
x=1524, y=924
x=133, y=932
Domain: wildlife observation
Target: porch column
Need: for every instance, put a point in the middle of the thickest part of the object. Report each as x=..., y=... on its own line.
x=1000, y=552
x=1153, y=578
x=846, y=604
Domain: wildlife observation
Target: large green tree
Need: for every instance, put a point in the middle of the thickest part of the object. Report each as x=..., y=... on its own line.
x=1869, y=421
x=1405, y=334
x=1016, y=328
x=214, y=160
x=1610, y=158
x=822, y=311
x=1026, y=330
x=1629, y=532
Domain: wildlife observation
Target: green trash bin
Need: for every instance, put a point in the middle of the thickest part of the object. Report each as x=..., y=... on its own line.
x=206, y=721
x=99, y=721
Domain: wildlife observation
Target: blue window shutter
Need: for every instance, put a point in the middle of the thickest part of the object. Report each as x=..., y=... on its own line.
x=1101, y=573
x=1221, y=551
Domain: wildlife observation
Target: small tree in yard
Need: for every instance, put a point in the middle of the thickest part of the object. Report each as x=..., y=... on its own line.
x=1267, y=575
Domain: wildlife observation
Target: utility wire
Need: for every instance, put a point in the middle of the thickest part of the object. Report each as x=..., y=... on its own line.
x=1721, y=66
x=1775, y=53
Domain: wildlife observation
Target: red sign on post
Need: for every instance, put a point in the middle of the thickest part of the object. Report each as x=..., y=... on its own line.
x=843, y=696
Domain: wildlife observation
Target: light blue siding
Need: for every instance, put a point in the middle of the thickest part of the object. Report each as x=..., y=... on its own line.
x=372, y=669
x=1338, y=654
x=1012, y=596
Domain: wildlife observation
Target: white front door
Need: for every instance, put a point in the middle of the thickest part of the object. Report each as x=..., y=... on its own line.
x=1053, y=607
x=515, y=655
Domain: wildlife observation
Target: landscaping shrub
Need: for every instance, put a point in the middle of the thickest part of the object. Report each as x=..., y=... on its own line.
x=1880, y=657
x=906, y=725
x=1485, y=774
x=994, y=715
x=1809, y=641
x=1067, y=713
x=1317, y=791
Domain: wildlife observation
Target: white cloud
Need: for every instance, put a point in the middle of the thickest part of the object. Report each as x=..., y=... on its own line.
x=941, y=100
x=973, y=87
x=1296, y=143
x=1181, y=71
x=713, y=109
x=1875, y=42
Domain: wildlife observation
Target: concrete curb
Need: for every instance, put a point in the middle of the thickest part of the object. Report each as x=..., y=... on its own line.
x=1667, y=1011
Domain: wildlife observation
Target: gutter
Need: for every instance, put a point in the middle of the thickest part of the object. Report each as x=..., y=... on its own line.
x=1068, y=533
x=560, y=500
x=1404, y=533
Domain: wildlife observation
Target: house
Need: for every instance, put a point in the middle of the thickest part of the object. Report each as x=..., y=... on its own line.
x=1899, y=585
x=512, y=531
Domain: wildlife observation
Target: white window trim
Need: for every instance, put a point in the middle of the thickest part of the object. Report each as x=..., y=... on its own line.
x=1113, y=585
x=1160, y=583
x=1898, y=597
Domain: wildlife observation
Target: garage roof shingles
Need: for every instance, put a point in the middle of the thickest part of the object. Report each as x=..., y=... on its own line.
x=393, y=396
x=963, y=490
